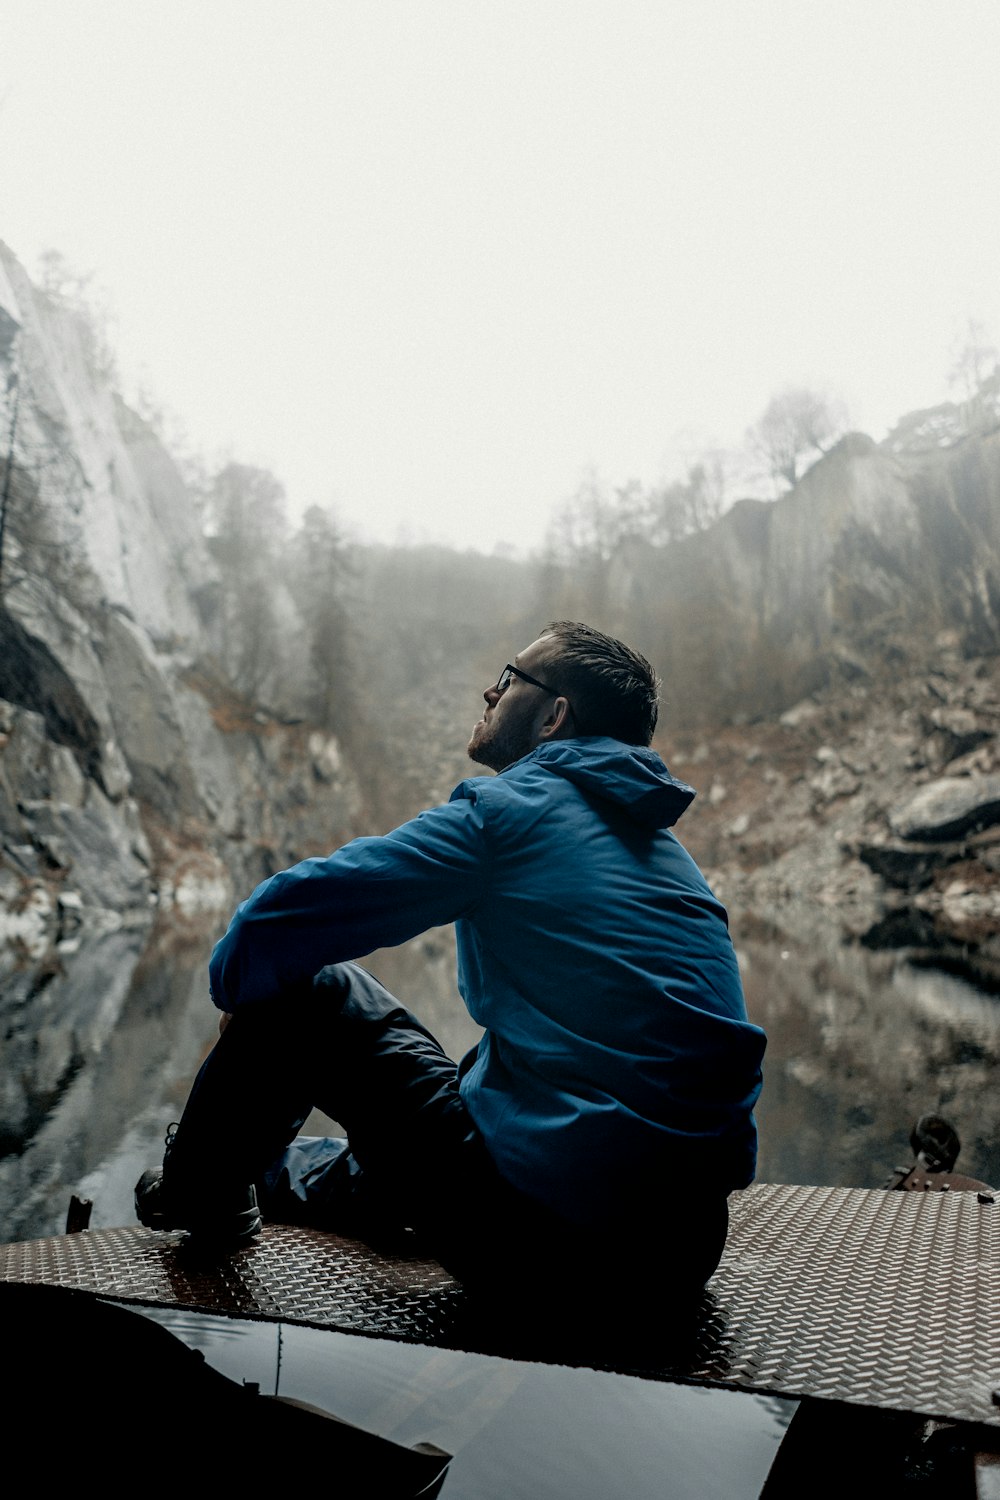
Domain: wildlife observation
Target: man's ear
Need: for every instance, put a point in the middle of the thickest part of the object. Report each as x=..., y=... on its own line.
x=557, y=723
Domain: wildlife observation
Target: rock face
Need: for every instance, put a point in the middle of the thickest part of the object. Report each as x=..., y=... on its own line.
x=850, y=810
x=131, y=775
x=871, y=559
x=111, y=497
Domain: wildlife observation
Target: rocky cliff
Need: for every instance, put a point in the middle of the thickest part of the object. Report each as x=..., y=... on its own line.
x=861, y=569
x=132, y=775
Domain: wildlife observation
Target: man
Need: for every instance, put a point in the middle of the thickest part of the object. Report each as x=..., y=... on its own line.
x=600, y=1124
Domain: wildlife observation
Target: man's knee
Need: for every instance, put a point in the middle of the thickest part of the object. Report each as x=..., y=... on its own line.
x=357, y=996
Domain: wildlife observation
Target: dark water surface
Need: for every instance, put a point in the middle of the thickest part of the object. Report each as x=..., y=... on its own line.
x=518, y=1431
x=861, y=1044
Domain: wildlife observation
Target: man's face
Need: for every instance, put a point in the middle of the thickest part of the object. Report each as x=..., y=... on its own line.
x=509, y=729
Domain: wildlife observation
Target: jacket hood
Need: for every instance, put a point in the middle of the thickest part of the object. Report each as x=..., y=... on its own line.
x=631, y=777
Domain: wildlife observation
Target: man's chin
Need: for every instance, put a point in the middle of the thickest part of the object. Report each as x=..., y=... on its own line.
x=479, y=750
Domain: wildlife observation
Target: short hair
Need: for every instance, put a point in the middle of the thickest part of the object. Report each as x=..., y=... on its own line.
x=612, y=689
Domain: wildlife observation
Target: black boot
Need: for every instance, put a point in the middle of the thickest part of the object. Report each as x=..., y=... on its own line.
x=222, y=1217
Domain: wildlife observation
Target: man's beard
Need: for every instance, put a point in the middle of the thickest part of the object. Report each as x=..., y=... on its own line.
x=498, y=745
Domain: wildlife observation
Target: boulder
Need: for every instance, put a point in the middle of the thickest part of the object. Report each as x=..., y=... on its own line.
x=949, y=808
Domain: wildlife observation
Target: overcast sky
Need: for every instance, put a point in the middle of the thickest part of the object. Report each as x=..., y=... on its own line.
x=433, y=260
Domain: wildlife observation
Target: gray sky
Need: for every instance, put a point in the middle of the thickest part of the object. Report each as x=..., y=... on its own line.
x=432, y=260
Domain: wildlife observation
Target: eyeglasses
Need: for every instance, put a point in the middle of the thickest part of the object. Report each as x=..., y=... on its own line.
x=503, y=681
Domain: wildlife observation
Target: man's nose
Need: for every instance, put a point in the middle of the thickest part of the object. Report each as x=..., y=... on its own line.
x=491, y=697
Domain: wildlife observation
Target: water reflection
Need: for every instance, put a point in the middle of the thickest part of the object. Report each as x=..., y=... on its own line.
x=100, y=1047
x=514, y=1428
x=860, y=1045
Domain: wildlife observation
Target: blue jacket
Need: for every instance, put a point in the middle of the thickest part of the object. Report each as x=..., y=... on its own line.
x=617, y=1048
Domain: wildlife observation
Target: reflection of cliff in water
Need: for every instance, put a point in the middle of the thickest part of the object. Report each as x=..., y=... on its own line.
x=915, y=931
x=99, y=1053
x=95, y=1049
x=861, y=1044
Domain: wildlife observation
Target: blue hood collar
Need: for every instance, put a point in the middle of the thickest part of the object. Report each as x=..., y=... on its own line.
x=631, y=777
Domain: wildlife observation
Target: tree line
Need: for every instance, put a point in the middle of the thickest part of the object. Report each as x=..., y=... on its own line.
x=364, y=641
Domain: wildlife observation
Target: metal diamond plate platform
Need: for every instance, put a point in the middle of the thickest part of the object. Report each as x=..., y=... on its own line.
x=881, y=1299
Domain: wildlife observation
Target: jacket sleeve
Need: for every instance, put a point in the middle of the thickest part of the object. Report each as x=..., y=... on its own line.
x=372, y=893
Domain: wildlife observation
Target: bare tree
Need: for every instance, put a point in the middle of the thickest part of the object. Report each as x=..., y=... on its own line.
x=692, y=504
x=977, y=359
x=796, y=423
x=976, y=376
x=321, y=570
x=248, y=526
x=585, y=525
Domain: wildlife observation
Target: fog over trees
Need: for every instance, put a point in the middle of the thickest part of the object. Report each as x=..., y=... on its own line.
x=308, y=623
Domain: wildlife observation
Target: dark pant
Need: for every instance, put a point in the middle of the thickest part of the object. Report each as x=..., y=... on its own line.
x=413, y=1158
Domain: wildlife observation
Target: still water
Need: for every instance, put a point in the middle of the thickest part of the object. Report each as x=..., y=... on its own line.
x=99, y=1048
